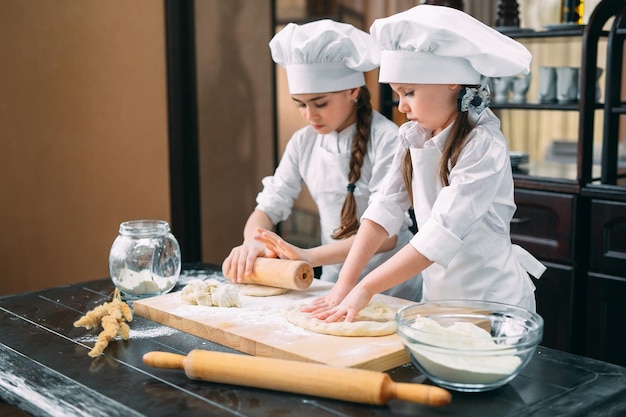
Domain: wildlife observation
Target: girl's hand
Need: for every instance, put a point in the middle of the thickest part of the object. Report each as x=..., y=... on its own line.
x=328, y=301
x=279, y=246
x=240, y=261
x=349, y=308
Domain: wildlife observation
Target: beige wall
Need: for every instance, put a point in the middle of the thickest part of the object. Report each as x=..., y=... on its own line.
x=83, y=119
x=83, y=134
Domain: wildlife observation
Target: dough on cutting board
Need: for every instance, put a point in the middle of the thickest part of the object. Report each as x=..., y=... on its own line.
x=211, y=292
x=254, y=290
x=376, y=319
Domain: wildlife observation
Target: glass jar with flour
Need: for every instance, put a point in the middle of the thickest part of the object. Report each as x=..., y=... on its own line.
x=145, y=259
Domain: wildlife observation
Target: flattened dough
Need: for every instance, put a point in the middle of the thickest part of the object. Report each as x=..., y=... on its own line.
x=254, y=290
x=377, y=319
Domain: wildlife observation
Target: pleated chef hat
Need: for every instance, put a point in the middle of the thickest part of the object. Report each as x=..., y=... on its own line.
x=324, y=56
x=441, y=45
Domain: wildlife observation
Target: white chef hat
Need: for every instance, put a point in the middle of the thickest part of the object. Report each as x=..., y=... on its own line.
x=324, y=56
x=430, y=44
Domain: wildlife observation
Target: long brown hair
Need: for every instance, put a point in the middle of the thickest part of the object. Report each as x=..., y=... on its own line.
x=454, y=145
x=349, y=215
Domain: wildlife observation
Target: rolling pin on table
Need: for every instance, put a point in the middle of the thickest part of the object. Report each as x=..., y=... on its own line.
x=347, y=384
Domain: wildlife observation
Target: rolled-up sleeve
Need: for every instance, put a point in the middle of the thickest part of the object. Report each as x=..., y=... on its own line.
x=389, y=207
x=436, y=242
x=381, y=151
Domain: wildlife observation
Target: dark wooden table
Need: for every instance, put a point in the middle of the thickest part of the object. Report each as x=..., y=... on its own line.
x=45, y=371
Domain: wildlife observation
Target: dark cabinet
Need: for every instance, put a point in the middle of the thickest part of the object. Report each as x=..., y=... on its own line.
x=606, y=282
x=608, y=237
x=555, y=304
x=543, y=225
x=605, y=336
x=606, y=321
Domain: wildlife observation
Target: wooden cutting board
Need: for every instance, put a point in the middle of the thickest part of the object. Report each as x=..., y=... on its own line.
x=258, y=328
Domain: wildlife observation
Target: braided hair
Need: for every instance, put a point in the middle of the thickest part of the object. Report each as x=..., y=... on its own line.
x=349, y=215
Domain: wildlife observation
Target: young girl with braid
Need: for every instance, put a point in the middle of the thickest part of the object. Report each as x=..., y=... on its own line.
x=452, y=164
x=342, y=155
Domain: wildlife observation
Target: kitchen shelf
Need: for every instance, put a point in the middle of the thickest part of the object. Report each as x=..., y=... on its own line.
x=560, y=33
x=540, y=106
x=535, y=106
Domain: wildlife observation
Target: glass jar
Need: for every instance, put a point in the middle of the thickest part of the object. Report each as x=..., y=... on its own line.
x=145, y=259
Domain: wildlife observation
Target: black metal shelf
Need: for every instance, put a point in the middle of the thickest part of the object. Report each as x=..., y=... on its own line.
x=565, y=32
x=540, y=106
x=618, y=110
x=532, y=106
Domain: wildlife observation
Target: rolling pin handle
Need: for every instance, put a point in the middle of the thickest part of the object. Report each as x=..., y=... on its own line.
x=165, y=360
x=420, y=393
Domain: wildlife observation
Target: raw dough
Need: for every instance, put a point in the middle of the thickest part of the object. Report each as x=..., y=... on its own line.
x=211, y=292
x=225, y=295
x=376, y=319
x=254, y=290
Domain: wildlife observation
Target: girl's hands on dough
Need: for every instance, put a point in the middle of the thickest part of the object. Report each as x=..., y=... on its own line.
x=279, y=246
x=349, y=308
x=328, y=301
x=240, y=261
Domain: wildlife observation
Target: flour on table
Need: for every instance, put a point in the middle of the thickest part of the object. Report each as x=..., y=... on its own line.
x=211, y=292
x=472, y=369
x=376, y=319
x=255, y=290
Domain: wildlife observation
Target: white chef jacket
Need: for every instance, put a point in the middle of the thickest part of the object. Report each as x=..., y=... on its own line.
x=464, y=228
x=322, y=162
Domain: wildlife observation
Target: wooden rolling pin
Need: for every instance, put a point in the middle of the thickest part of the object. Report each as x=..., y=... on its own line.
x=282, y=273
x=347, y=384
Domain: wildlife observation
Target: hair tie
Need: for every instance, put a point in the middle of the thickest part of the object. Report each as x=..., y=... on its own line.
x=351, y=187
x=479, y=98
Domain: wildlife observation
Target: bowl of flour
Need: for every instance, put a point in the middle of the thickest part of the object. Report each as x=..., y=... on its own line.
x=467, y=345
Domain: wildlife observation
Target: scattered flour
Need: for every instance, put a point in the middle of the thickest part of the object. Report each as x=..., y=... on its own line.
x=142, y=333
x=470, y=368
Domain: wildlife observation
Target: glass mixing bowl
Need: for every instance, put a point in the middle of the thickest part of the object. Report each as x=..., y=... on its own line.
x=467, y=345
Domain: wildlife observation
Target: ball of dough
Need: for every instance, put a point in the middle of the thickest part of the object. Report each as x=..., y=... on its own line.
x=210, y=292
x=226, y=296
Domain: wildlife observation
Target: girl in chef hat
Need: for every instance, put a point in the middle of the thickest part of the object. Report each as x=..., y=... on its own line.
x=452, y=164
x=342, y=155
